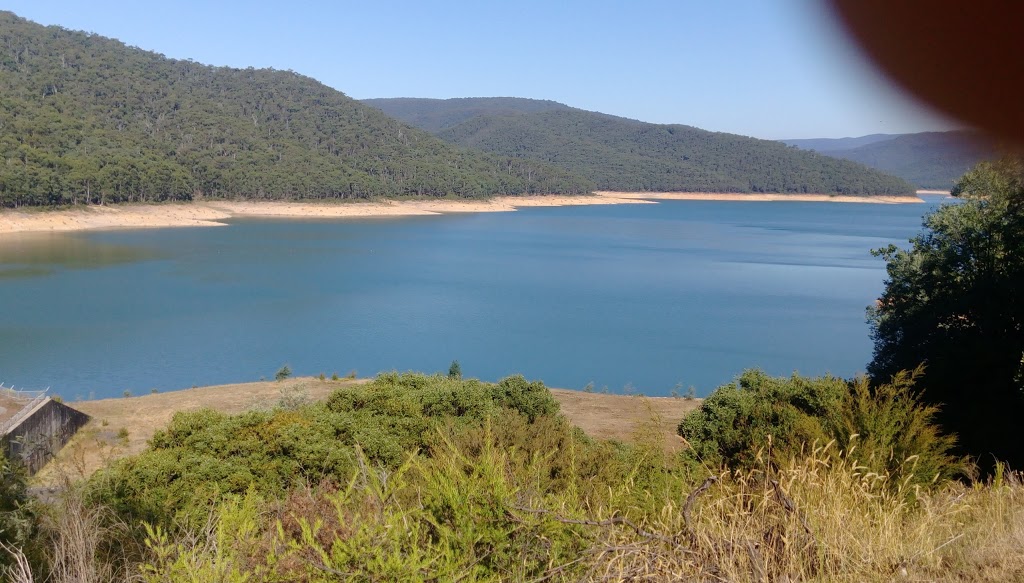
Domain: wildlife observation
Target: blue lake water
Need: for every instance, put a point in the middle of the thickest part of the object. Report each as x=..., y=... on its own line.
x=631, y=297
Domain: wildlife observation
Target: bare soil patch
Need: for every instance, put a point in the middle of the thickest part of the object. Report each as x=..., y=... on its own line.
x=625, y=417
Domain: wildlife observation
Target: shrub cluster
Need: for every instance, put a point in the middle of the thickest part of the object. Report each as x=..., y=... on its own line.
x=885, y=428
x=203, y=455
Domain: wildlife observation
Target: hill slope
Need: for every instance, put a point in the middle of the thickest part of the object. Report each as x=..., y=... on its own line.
x=624, y=154
x=434, y=115
x=927, y=160
x=86, y=119
x=832, y=144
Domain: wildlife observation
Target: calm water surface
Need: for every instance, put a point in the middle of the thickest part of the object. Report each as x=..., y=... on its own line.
x=634, y=297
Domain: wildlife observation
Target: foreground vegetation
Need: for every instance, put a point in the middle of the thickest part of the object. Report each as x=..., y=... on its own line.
x=952, y=302
x=413, y=477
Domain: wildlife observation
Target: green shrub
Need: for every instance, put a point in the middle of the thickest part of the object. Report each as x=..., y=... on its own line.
x=283, y=373
x=532, y=399
x=760, y=418
x=739, y=419
x=204, y=455
x=896, y=432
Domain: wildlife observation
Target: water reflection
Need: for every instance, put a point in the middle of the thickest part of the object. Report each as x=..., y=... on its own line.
x=41, y=254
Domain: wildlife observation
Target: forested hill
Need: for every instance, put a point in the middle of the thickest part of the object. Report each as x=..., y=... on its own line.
x=86, y=119
x=624, y=154
x=434, y=115
x=928, y=159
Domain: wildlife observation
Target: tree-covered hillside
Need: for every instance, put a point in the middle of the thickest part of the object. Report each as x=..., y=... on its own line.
x=927, y=160
x=624, y=154
x=86, y=119
x=434, y=115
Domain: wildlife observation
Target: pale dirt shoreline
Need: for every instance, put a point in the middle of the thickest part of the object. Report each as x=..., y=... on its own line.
x=748, y=197
x=212, y=214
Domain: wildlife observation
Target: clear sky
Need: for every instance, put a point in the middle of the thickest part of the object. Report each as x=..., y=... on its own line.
x=765, y=68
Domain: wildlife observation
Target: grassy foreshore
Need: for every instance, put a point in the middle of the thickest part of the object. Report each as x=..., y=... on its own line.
x=522, y=498
x=122, y=426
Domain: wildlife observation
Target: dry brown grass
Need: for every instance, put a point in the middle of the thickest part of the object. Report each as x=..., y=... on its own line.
x=621, y=417
x=822, y=519
x=103, y=438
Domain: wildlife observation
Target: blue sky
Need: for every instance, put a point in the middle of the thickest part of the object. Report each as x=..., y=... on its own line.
x=766, y=68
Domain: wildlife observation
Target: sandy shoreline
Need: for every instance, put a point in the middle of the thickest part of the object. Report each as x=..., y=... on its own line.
x=756, y=197
x=212, y=214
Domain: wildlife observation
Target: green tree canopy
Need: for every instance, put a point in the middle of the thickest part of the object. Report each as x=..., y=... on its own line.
x=951, y=302
x=87, y=120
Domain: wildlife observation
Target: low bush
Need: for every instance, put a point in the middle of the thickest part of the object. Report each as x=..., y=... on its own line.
x=481, y=514
x=204, y=455
x=886, y=429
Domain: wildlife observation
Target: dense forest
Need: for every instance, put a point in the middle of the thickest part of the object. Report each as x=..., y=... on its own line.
x=927, y=159
x=86, y=119
x=434, y=115
x=623, y=154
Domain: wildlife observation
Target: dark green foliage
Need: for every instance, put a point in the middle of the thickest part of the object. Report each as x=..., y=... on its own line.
x=85, y=119
x=283, y=373
x=886, y=429
x=531, y=399
x=952, y=302
x=740, y=419
x=455, y=370
x=926, y=160
x=18, y=522
x=623, y=154
x=204, y=455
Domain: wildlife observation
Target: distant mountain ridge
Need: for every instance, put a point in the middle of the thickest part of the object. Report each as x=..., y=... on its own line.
x=85, y=119
x=833, y=144
x=630, y=155
x=928, y=160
